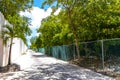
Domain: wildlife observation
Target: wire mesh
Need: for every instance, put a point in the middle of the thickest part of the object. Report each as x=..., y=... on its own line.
x=94, y=54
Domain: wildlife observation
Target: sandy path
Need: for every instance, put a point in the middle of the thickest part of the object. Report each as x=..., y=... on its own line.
x=36, y=66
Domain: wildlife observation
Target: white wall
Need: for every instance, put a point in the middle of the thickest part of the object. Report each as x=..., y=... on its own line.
x=1, y=52
x=1, y=44
x=18, y=48
x=5, y=54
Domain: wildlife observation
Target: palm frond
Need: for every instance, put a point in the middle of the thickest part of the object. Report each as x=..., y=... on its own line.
x=7, y=33
x=8, y=28
x=5, y=39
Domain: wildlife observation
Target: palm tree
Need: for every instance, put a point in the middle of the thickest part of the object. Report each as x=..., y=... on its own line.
x=8, y=34
x=18, y=29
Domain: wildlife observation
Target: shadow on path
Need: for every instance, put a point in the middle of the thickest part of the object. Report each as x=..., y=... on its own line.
x=38, y=56
x=48, y=68
x=65, y=72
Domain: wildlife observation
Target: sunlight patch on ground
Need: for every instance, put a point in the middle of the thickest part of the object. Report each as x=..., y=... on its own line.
x=25, y=61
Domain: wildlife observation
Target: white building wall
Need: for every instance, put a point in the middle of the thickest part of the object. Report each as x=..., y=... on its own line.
x=18, y=48
x=5, y=54
x=1, y=44
x=15, y=49
x=1, y=52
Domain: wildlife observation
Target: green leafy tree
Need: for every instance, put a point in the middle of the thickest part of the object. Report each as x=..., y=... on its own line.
x=36, y=43
x=70, y=13
x=33, y=41
x=48, y=29
x=102, y=19
x=54, y=32
x=89, y=19
x=12, y=7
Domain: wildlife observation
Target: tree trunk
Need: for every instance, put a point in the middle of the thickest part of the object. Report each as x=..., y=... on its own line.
x=76, y=43
x=73, y=29
x=9, y=59
x=77, y=48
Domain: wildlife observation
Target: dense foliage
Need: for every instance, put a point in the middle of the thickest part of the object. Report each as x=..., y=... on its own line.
x=80, y=20
x=12, y=7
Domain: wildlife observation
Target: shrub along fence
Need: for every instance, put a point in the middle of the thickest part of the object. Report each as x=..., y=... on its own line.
x=94, y=54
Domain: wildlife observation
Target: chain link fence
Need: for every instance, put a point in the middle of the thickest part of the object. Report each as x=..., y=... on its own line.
x=94, y=54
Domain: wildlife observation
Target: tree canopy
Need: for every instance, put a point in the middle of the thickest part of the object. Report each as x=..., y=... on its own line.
x=12, y=7
x=93, y=19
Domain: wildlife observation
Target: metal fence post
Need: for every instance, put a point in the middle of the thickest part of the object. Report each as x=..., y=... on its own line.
x=102, y=54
